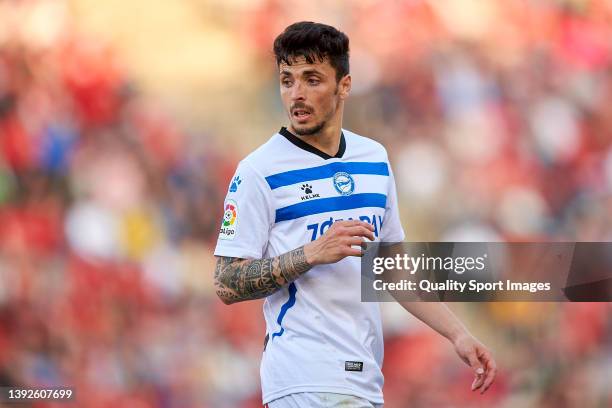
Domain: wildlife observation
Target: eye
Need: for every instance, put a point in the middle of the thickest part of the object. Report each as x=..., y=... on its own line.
x=313, y=81
x=286, y=83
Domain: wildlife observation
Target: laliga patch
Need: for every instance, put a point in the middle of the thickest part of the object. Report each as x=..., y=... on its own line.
x=230, y=220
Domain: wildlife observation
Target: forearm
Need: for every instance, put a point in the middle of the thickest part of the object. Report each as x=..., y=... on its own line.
x=434, y=314
x=437, y=316
x=239, y=279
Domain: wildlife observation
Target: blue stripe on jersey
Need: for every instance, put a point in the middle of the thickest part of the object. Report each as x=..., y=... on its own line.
x=288, y=305
x=328, y=170
x=324, y=205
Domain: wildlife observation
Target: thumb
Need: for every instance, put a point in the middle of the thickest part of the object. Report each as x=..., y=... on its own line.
x=474, y=362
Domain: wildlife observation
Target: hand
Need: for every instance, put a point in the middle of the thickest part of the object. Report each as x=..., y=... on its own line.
x=337, y=242
x=477, y=356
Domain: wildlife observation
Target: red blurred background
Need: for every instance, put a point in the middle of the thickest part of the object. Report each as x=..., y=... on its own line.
x=121, y=125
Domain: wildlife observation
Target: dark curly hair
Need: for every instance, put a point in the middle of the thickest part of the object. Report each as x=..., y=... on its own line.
x=314, y=42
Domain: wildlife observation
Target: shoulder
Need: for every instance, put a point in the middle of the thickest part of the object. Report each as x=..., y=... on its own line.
x=260, y=159
x=258, y=156
x=365, y=145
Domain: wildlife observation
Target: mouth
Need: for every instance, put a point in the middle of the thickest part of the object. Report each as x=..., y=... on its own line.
x=301, y=114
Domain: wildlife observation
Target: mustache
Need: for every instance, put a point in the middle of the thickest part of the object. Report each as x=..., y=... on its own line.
x=302, y=106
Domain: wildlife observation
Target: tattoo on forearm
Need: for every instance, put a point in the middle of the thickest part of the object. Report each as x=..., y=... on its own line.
x=243, y=279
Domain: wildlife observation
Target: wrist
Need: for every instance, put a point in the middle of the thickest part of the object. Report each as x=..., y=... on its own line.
x=310, y=253
x=457, y=334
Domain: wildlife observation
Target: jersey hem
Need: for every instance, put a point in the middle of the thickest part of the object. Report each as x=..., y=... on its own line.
x=269, y=397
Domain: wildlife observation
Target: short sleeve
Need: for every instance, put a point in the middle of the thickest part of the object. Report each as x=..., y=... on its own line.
x=246, y=220
x=392, y=230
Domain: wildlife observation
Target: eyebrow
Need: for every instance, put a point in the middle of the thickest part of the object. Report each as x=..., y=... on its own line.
x=304, y=73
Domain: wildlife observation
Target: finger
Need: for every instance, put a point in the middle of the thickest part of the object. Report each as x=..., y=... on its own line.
x=359, y=242
x=488, y=381
x=350, y=251
x=356, y=223
x=356, y=241
x=364, y=246
x=478, y=381
x=491, y=372
x=368, y=226
x=484, y=358
x=475, y=364
x=360, y=231
x=348, y=223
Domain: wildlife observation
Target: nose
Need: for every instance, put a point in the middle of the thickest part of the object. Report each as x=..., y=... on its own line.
x=297, y=92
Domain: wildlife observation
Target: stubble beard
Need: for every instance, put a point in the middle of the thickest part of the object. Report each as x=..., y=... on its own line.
x=311, y=130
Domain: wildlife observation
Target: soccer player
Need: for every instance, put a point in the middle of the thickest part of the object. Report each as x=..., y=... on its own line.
x=295, y=210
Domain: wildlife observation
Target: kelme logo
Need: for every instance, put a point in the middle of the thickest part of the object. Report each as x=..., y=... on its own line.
x=309, y=193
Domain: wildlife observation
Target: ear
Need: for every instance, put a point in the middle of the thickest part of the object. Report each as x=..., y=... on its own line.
x=344, y=87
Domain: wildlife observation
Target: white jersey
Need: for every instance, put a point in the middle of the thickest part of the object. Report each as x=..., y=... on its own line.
x=320, y=336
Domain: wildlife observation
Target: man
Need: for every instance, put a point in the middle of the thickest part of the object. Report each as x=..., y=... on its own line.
x=295, y=215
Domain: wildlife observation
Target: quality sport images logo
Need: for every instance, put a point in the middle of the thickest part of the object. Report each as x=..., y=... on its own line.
x=230, y=220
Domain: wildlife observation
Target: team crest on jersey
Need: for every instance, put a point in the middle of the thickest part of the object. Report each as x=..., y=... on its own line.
x=230, y=220
x=344, y=183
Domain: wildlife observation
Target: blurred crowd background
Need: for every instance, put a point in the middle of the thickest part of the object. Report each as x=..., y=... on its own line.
x=121, y=124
